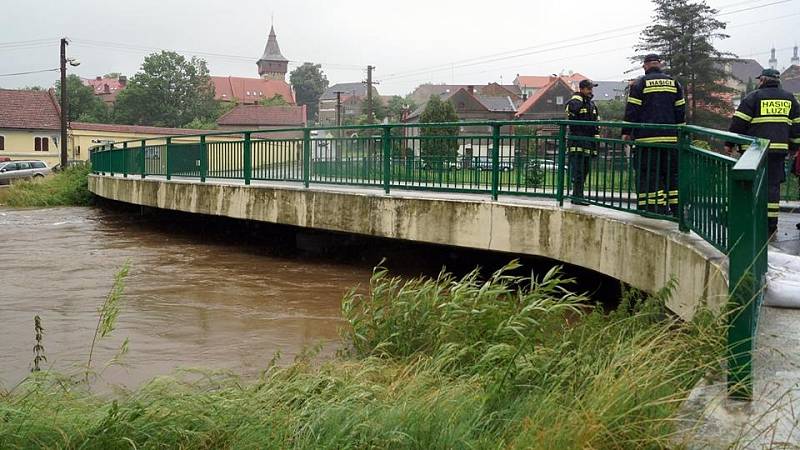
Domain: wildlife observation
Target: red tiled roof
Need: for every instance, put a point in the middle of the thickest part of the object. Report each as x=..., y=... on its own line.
x=250, y=90
x=134, y=129
x=99, y=86
x=533, y=99
x=36, y=110
x=257, y=115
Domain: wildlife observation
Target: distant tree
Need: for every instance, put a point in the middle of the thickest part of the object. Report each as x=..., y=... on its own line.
x=309, y=83
x=201, y=124
x=439, y=144
x=396, y=106
x=683, y=33
x=169, y=90
x=112, y=75
x=84, y=106
x=33, y=88
x=611, y=110
x=275, y=100
x=378, y=108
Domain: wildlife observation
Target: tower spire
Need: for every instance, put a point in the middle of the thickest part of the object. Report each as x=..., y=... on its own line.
x=272, y=64
x=773, y=61
x=795, y=57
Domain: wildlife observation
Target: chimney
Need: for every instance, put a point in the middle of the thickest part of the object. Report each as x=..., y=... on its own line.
x=524, y=96
x=106, y=89
x=471, y=89
x=123, y=80
x=98, y=78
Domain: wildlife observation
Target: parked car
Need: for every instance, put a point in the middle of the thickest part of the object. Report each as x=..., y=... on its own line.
x=485, y=163
x=14, y=170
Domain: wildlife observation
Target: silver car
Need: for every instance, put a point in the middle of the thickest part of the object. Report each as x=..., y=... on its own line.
x=13, y=170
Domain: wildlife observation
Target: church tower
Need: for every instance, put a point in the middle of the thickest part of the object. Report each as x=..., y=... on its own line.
x=272, y=65
x=773, y=61
x=795, y=58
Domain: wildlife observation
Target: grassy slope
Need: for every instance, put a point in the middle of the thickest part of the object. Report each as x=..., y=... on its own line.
x=66, y=188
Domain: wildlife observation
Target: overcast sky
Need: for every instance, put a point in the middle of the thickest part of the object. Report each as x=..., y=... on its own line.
x=409, y=42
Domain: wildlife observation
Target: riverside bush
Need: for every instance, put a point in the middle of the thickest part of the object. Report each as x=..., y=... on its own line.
x=66, y=188
x=442, y=363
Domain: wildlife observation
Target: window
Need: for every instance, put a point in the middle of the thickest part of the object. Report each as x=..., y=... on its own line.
x=38, y=165
x=78, y=150
x=559, y=100
x=9, y=167
x=2, y=142
x=41, y=144
x=23, y=165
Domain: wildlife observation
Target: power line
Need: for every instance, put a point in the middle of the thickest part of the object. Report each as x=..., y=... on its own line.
x=448, y=68
x=237, y=58
x=515, y=53
x=27, y=73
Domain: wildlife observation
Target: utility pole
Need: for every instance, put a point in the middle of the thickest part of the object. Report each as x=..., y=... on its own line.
x=64, y=103
x=370, y=112
x=338, y=108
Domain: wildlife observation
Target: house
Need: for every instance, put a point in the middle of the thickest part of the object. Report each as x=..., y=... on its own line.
x=548, y=101
x=30, y=125
x=107, y=88
x=422, y=93
x=470, y=106
x=30, y=128
x=352, y=96
x=249, y=91
x=530, y=84
x=740, y=73
x=258, y=117
x=790, y=78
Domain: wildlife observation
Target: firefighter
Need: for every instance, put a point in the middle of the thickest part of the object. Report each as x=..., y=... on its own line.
x=655, y=97
x=770, y=112
x=581, y=107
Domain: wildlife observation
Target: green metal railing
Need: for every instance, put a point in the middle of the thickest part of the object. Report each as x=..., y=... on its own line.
x=719, y=198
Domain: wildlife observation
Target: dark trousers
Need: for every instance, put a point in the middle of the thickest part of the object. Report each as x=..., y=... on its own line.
x=776, y=174
x=656, y=179
x=579, y=169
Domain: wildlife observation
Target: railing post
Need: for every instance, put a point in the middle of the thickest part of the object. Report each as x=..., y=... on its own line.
x=684, y=181
x=562, y=154
x=248, y=161
x=167, y=152
x=125, y=160
x=144, y=158
x=495, y=161
x=387, y=158
x=743, y=287
x=306, y=156
x=111, y=159
x=203, y=159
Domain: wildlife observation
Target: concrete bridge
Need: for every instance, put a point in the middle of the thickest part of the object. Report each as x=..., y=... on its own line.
x=427, y=184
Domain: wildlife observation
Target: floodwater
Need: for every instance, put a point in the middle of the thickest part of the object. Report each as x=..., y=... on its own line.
x=191, y=300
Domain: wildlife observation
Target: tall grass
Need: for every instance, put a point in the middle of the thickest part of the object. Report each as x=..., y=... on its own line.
x=66, y=188
x=439, y=363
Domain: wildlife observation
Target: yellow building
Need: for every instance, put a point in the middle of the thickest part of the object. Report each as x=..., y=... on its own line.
x=30, y=128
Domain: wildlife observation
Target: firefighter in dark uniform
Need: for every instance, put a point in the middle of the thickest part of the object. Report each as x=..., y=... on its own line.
x=655, y=98
x=581, y=107
x=771, y=113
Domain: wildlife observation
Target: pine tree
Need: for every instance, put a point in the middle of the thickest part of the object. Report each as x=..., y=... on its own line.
x=683, y=32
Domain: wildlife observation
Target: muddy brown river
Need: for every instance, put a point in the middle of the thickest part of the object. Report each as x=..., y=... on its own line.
x=190, y=301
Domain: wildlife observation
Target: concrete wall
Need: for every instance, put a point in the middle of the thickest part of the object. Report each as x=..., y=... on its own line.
x=641, y=252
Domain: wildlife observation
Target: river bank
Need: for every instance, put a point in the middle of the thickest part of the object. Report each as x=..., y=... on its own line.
x=442, y=363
